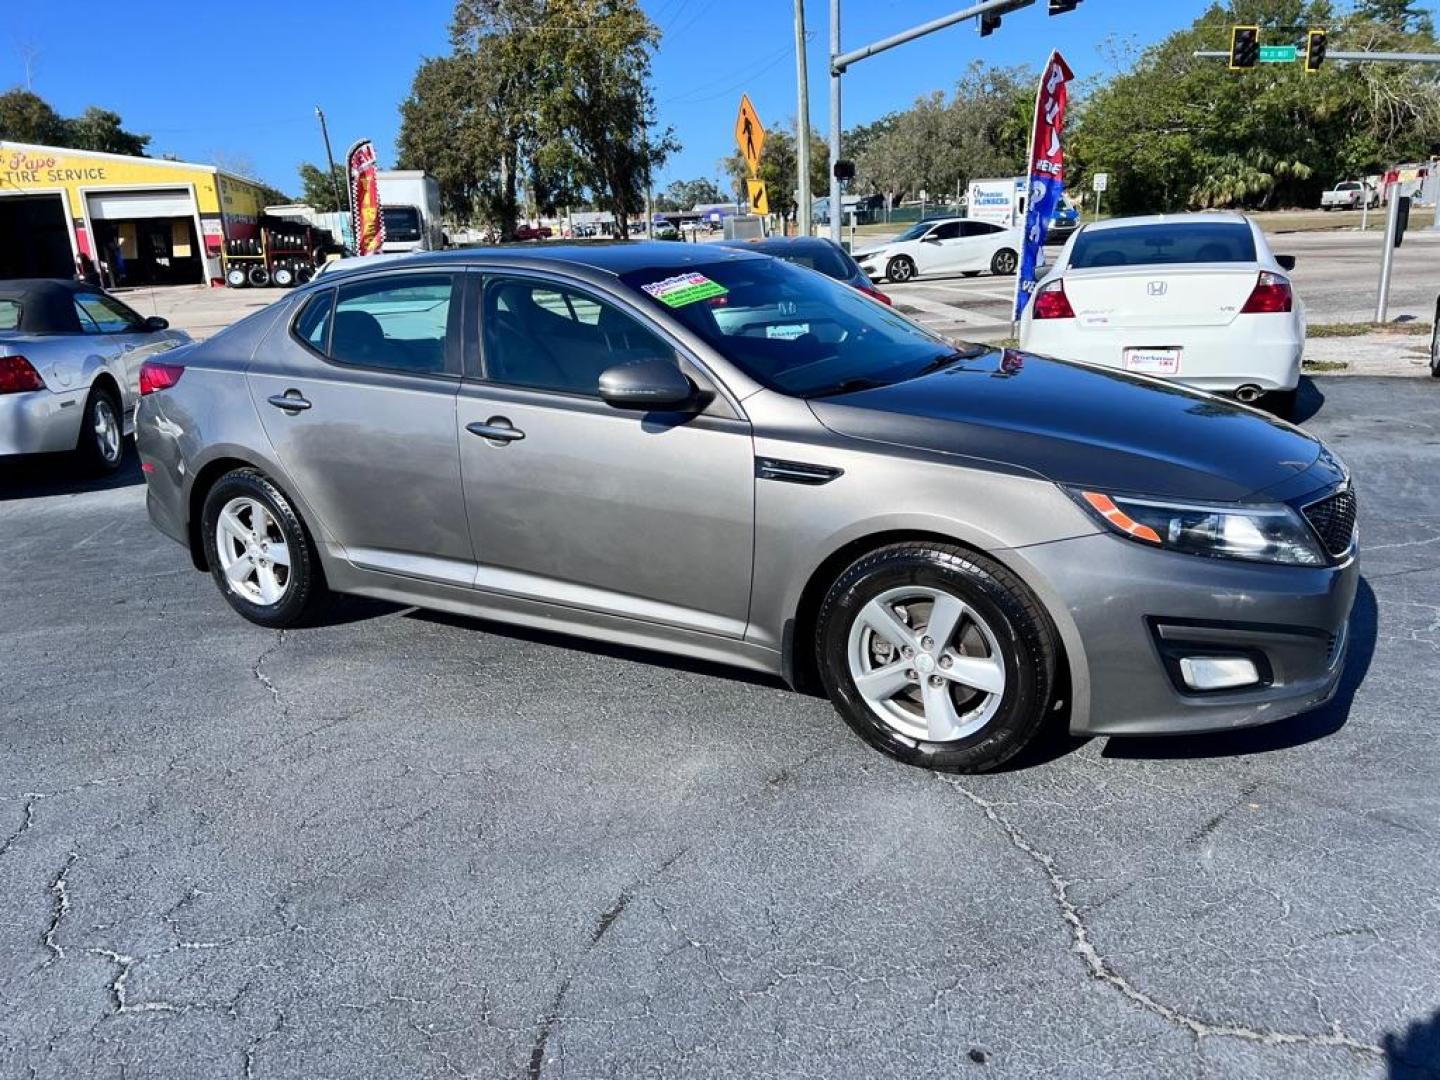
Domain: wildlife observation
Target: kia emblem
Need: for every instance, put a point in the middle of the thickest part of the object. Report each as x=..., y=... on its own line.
x=1156, y=288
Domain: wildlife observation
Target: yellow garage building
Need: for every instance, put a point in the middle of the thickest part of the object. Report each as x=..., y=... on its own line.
x=132, y=220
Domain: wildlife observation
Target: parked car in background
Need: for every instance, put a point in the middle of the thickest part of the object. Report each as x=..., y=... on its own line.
x=815, y=253
x=1198, y=299
x=951, y=245
x=70, y=359
x=526, y=231
x=709, y=452
x=1350, y=195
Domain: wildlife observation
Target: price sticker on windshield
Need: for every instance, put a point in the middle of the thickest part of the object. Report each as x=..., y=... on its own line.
x=685, y=289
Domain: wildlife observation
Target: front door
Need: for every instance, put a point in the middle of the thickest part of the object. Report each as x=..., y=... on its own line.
x=643, y=515
x=357, y=394
x=938, y=252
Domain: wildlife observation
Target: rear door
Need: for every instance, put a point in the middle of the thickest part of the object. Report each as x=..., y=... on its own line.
x=356, y=391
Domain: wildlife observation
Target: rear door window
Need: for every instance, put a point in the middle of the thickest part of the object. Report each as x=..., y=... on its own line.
x=313, y=325
x=397, y=323
x=1164, y=244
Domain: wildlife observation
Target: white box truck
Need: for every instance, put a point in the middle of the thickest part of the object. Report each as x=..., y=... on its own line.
x=410, y=206
x=1002, y=203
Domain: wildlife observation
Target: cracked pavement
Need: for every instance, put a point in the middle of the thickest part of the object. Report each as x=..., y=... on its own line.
x=406, y=844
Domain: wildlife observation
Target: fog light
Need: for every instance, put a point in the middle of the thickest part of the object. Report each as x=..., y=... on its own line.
x=1218, y=672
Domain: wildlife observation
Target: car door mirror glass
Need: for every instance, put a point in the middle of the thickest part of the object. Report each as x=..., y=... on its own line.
x=651, y=385
x=154, y=324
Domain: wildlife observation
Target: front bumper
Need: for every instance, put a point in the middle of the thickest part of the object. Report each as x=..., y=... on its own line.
x=1135, y=610
x=40, y=422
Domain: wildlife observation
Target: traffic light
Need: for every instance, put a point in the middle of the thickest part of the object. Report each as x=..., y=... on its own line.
x=1060, y=7
x=1314, y=50
x=989, y=23
x=1244, y=47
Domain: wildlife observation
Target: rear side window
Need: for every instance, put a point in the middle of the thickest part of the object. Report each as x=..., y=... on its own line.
x=397, y=323
x=1164, y=244
x=826, y=260
x=9, y=314
x=313, y=326
x=979, y=228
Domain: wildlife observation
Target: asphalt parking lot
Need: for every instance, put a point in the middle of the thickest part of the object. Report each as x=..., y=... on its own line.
x=408, y=844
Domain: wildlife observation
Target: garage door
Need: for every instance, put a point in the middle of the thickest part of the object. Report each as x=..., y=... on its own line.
x=129, y=205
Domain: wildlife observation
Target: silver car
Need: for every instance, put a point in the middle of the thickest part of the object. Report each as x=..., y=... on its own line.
x=70, y=356
x=715, y=453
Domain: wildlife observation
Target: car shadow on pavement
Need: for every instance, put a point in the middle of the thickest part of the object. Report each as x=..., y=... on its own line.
x=1308, y=400
x=649, y=657
x=1413, y=1054
x=39, y=475
x=1283, y=734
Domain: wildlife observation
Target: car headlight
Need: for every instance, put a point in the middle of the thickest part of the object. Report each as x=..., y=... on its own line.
x=1271, y=533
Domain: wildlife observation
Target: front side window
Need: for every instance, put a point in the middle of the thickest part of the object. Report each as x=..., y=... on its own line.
x=791, y=330
x=1164, y=244
x=101, y=314
x=551, y=337
x=949, y=231
x=397, y=323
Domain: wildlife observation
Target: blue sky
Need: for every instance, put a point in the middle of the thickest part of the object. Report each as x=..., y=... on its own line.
x=242, y=81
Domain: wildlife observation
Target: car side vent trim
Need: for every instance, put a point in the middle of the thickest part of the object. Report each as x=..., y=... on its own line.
x=795, y=472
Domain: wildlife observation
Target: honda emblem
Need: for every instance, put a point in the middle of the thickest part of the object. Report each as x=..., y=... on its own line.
x=1156, y=288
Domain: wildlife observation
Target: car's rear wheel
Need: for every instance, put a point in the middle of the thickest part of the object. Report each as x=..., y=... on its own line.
x=1004, y=262
x=937, y=656
x=101, y=446
x=900, y=268
x=259, y=552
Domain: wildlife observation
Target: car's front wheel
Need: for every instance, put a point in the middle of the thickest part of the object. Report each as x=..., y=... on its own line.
x=937, y=656
x=900, y=268
x=1004, y=263
x=259, y=552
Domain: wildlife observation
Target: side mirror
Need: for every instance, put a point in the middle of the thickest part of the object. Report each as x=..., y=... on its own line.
x=651, y=386
x=154, y=324
x=1287, y=262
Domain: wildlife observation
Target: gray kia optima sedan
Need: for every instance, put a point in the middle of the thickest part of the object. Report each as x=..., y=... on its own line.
x=715, y=453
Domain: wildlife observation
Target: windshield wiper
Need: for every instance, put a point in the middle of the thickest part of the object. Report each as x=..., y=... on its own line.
x=970, y=352
x=849, y=386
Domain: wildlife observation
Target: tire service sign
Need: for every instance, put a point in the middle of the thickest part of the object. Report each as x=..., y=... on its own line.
x=1046, y=172
x=366, y=221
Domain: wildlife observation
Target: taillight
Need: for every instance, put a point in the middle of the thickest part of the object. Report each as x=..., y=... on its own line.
x=1271, y=296
x=1051, y=302
x=155, y=375
x=17, y=375
x=870, y=290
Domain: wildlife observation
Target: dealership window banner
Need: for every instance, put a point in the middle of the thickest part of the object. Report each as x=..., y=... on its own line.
x=1046, y=179
x=368, y=225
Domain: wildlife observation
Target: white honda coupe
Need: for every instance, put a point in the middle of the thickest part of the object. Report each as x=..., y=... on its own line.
x=1197, y=298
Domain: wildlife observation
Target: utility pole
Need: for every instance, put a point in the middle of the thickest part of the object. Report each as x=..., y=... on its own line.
x=330, y=160
x=802, y=122
x=835, y=198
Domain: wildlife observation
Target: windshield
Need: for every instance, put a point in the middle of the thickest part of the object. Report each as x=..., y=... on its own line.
x=401, y=222
x=792, y=330
x=1164, y=244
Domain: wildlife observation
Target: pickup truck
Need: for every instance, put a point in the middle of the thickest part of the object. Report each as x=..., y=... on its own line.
x=1350, y=195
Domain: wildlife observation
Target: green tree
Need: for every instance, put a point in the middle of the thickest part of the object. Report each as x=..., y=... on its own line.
x=1403, y=15
x=27, y=117
x=685, y=194
x=317, y=190
x=100, y=129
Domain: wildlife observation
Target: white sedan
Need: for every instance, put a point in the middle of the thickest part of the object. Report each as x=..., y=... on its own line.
x=1197, y=298
x=944, y=246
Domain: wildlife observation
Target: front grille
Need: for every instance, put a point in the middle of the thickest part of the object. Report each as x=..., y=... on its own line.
x=1333, y=519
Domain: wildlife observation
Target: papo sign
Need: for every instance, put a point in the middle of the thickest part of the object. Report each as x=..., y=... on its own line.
x=749, y=134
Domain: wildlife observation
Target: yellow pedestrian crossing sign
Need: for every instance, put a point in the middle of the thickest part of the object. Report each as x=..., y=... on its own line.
x=749, y=134
x=757, y=196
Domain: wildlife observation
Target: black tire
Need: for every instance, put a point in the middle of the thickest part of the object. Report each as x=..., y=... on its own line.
x=259, y=276
x=1004, y=262
x=284, y=277
x=1435, y=344
x=1028, y=650
x=236, y=278
x=306, y=595
x=99, y=453
x=900, y=269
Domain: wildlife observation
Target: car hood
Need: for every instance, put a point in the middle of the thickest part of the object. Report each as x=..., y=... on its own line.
x=1081, y=425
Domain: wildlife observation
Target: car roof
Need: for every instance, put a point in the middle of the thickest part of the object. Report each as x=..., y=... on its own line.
x=47, y=305
x=782, y=243
x=1204, y=217
x=609, y=256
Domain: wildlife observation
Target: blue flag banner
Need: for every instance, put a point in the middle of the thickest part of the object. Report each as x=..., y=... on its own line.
x=1046, y=173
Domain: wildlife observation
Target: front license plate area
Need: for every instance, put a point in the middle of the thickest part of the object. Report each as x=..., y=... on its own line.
x=1152, y=361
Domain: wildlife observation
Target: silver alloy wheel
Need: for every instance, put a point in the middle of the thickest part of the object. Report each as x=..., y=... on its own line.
x=107, y=430
x=253, y=552
x=900, y=269
x=926, y=664
x=1006, y=262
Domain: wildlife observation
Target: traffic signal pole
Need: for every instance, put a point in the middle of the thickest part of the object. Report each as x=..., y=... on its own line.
x=802, y=123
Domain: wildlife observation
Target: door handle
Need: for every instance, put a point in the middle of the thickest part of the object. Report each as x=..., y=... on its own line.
x=496, y=430
x=128, y=347
x=292, y=401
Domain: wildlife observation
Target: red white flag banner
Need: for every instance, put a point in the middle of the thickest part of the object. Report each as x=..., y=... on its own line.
x=366, y=220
